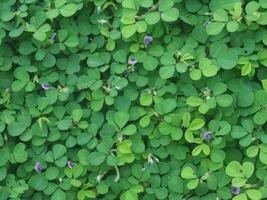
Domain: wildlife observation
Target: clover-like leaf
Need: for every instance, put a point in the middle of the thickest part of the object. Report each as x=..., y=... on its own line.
x=170, y=15
x=188, y=173
x=129, y=31
x=121, y=118
x=68, y=10
x=214, y=28
x=234, y=169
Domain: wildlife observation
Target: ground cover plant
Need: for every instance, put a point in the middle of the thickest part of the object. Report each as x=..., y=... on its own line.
x=133, y=99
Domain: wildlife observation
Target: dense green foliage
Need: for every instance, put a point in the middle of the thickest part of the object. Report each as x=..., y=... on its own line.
x=133, y=99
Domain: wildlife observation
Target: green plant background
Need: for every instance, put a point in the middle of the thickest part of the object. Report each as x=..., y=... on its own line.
x=133, y=131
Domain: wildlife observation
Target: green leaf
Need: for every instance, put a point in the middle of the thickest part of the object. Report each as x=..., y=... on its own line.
x=248, y=169
x=254, y=194
x=220, y=15
x=177, y=134
x=68, y=10
x=251, y=7
x=39, y=35
x=192, y=184
x=263, y=19
x=16, y=128
x=96, y=158
x=71, y=41
x=261, y=97
x=165, y=5
x=146, y=99
x=217, y=155
x=232, y=26
x=21, y=74
x=95, y=60
x=195, y=74
x=228, y=60
x=4, y=156
x=59, y=195
x=129, y=130
x=129, y=31
x=245, y=98
x=238, y=132
x=161, y=193
x=239, y=182
x=193, y=5
x=146, y=4
x=200, y=34
x=121, y=118
x=129, y=195
x=77, y=115
x=141, y=26
x=263, y=3
x=224, y=100
x=64, y=124
x=246, y=69
x=260, y=117
x=194, y=101
x=264, y=84
x=241, y=196
x=83, y=156
x=196, y=124
x=59, y=3
x=125, y=147
x=175, y=184
x=166, y=72
x=120, y=56
x=26, y=48
x=52, y=13
x=38, y=182
x=150, y=63
x=152, y=18
x=188, y=173
x=59, y=150
x=252, y=151
x=169, y=105
x=170, y=15
x=3, y=173
x=234, y=169
x=197, y=150
x=214, y=28
x=207, y=68
x=128, y=4
x=51, y=173
x=20, y=155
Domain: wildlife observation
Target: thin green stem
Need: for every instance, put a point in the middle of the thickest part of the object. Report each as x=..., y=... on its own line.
x=117, y=174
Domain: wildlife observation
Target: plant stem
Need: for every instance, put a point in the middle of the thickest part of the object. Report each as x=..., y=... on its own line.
x=118, y=174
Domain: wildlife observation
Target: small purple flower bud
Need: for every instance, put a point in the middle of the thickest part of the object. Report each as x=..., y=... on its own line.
x=148, y=39
x=70, y=164
x=45, y=86
x=207, y=136
x=38, y=167
x=53, y=36
x=132, y=61
x=236, y=190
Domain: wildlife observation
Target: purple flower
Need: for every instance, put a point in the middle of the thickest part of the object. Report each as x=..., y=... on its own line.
x=148, y=39
x=38, y=167
x=53, y=36
x=70, y=164
x=45, y=86
x=132, y=61
x=236, y=190
x=207, y=136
